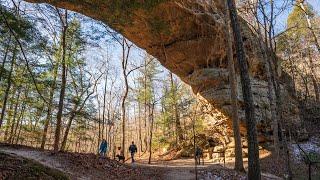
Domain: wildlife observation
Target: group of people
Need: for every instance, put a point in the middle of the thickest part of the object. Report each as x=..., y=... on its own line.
x=133, y=150
x=120, y=154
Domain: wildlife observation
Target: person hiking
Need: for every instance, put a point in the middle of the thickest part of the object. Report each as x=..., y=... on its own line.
x=132, y=149
x=119, y=155
x=199, y=154
x=103, y=148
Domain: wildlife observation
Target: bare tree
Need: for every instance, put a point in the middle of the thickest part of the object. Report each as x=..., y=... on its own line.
x=174, y=89
x=84, y=94
x=234, y=95
x=9, y=83
x=64, y=23
x=253, y=148
x=310, y=26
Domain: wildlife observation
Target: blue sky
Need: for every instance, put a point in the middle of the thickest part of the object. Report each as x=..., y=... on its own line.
x=281, y=20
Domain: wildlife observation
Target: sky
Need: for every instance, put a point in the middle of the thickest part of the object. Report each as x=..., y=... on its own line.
x=281, y=20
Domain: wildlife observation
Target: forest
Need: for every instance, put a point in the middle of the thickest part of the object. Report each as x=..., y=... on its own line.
x=160, y=89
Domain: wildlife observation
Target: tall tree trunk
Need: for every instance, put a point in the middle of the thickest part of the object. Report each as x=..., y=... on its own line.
x=140, y=135
x=14, y=116
x=145, y=106
x=5, y=57
x=273, y=90
x=7, y=91
x=234, y=97
x=49, y=110
x=269, y=74
x=109, y=122
x=19, y=121
x=125, y=56
x=110, y=118
x=63, y=85
x=176, y=110
x=66, y=133
x=151, y=133
x=9, y=118
x=104, y=106
x=99, y=121
x=123, y=109
x=253, y=148
x=20, y=127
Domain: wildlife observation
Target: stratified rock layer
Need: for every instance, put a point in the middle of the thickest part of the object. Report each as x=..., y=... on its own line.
x=187, y=37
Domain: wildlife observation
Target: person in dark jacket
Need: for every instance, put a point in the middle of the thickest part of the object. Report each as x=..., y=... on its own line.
x=199, y=154
x=132, y=149
x=103, y=148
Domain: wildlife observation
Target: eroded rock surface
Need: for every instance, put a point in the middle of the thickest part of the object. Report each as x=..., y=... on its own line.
x=186, y=36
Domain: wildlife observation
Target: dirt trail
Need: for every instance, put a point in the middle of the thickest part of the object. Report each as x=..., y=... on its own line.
x=175, y=170
x=77, y=167
x=83, y=166
x=180, y=174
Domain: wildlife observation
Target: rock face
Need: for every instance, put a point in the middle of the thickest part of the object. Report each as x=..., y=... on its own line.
x=187, y=37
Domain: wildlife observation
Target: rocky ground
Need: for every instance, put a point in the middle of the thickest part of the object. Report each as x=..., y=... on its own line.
x=20, y=162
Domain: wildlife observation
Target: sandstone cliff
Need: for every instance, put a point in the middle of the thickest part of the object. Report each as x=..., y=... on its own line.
x=186, y=36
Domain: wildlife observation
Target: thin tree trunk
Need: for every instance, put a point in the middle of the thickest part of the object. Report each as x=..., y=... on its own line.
x=253, y=148
x=140, y=135
x=9, y=118
x=234, y=98
x=269, y=74
x=99, y=136
x=17, y=140
x=63, y=85
x=145, y=105
x=151, y=133
x=126, y=91
x=6, y=94
x=49, y=110
x=66, y=133
x=176, y=110
x=123, y=109
x=19, y=121
x=272, y=81
x=109, y=123
x=104, y=106
x=272, y=65
x=14, y=116
x=5, y=58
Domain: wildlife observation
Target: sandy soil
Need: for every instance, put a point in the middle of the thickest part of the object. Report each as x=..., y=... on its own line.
x=88, y=166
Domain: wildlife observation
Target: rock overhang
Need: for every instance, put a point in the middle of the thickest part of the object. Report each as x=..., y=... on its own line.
x=187, y=37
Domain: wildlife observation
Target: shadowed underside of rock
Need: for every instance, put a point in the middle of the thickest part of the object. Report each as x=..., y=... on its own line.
x=186, y=36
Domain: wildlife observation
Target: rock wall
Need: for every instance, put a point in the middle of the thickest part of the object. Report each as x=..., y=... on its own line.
x=187, y=37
